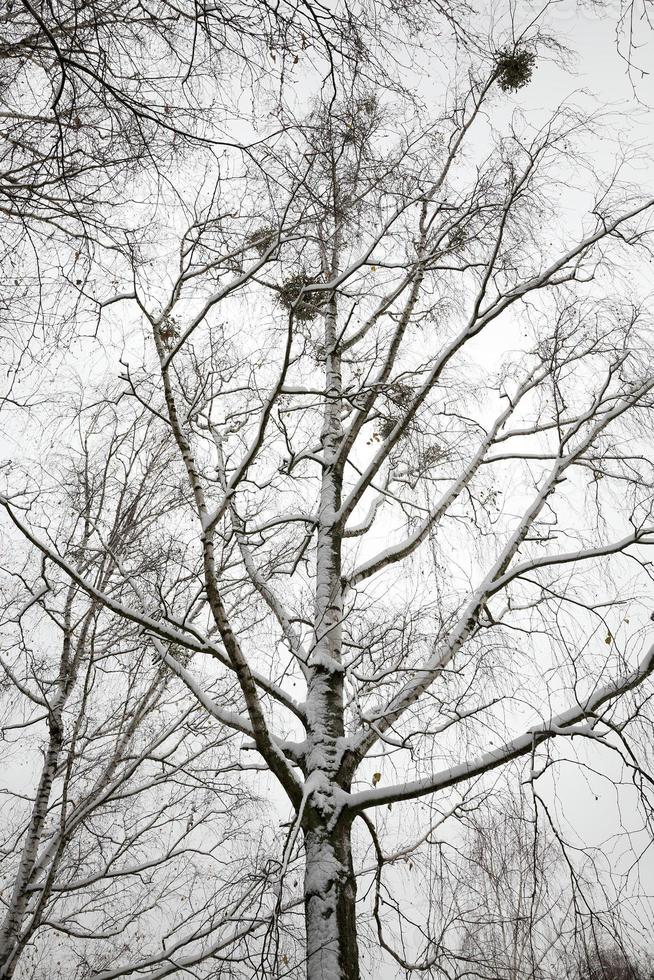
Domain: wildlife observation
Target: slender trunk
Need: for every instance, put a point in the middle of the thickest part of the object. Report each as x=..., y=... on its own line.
x=13, y=931
x=329, y=901
x=11, y=927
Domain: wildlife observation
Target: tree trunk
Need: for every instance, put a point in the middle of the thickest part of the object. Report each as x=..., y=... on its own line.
x=329, y=882
x=10, y=930
x=330, y=904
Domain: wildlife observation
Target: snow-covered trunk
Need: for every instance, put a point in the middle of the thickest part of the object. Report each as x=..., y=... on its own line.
x=10, y=931
x=325, y=681
x=325, y=684
x=16, y=926
x=330, y=886
x=330, y=900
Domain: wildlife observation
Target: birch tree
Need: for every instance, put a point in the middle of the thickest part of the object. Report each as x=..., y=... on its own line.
x=128, y=809
x=408, y=407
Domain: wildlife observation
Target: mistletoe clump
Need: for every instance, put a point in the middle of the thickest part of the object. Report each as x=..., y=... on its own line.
x=262, y=239
x=514, y=68
x=305, y=306
x=359, y=119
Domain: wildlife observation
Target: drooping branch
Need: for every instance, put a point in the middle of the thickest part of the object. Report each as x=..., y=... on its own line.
x=562, y=724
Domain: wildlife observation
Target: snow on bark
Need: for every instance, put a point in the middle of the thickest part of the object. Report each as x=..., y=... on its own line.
x=330, y=897
x=10, y=932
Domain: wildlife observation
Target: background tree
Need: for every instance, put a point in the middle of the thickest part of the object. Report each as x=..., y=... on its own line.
x=115, y=846
x=610, y=963
x=502, y=901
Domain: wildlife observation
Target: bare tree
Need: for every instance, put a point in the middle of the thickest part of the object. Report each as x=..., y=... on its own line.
x=515, y=908
x=608, y=962
x=132, y=803
x=407, y=432
x=498, y=900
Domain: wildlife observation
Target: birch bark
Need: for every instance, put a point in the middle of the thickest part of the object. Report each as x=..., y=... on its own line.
x=330, y=884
